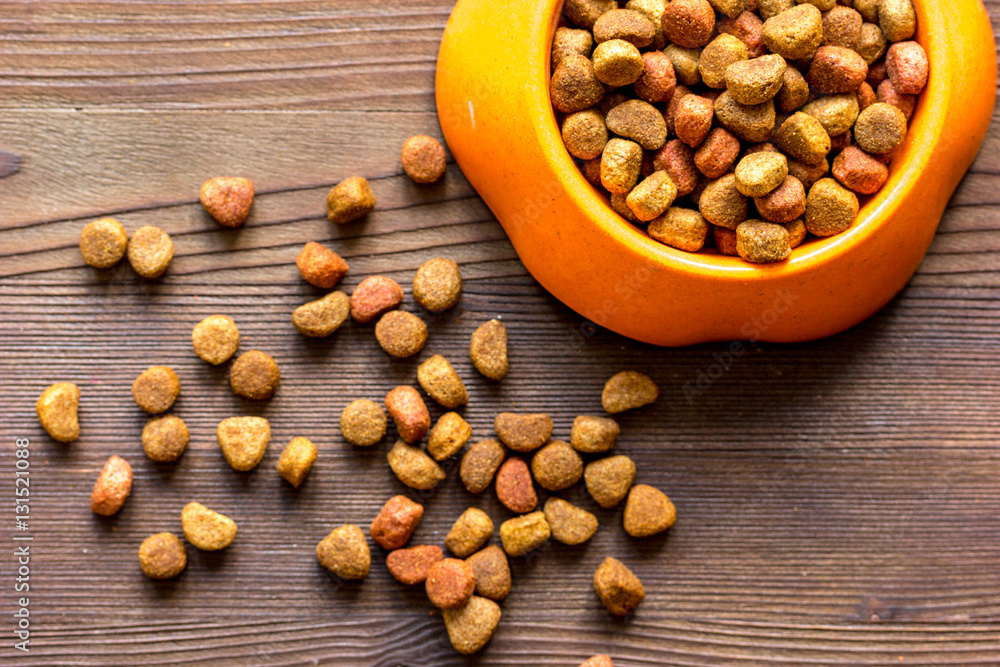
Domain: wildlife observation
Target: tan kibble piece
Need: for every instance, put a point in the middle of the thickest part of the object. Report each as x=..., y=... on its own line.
x=206, y=529
x=880, y=128
x=103, y=243
x=835, y=69
x=868, y=9
x=345, y=553
x=585, y=13
x=413, y=467
x=598, y=661
x=395, y=522
x=523, y=432
x=716, y=58
x=363, y=422
x=731, y=8
x=755, y=81
x=423, y=159
x=374, y=296
x=401, y=334
x=320, y=318
x=620, y=164
x=689, y=23
x=619, y=204
x=725, y=242
x=296, y=460
x=514, y=487
x=761, y=242
x=652, y=196
x=411, y=565
x=227, y=199
x=557, y=466
x=471, y=626
x=653, y=11
x=759, y=173
x=150, y=251
x=897, y=19
x=585, y=134
x=871, y=43
x=409, y=413
x=492, y=572
x=162, y=556
x=769, y=8
x=680, y=228
x=439, y=379
x=164, y=438
x=748, y=122
x=254, y=375
x=783, y=204
x=625, y=24
x=836, y=113
x=796, y=232
x=794, y=91
x=639, y=121
x=320, y=266
x=619, y=589
x=592, y=435
x=617, y=63
x=803, y=138
x=156, y=389
x=480, y=464
x=570, y=41
x=488, y=350
x=469, y=532
x=628, y=390
x=243, y=441
x=437, y=284
x=524, y=534
x=608, y=480
x=795, y=33
x=574, y=85
x=349, y=200
x=448, y=436
x=569, y=524
x=685, y=62
x=57, y=409
x=648, y=511
x=450, y=583
x=215, y=339
x=842, y=27
x=112, y=487
x=830, y=208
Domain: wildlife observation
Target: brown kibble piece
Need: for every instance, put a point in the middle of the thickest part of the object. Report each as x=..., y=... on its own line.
x=688, y=23
x=755, y=81
x=693, y=119
x=730, y=8
x=164, y=438
x=57, y=410
x=469, y=532
x=574, y=85
x=888, y=94
x=830, y=208
x=880, y=128
x=608, y=480
x=725, y=243
x=569, y=524
x=423, y=159
x=617, y=63
x=103, y=243
x=320, y=266
x=658, y=79
x=592, y=435
x=673, y=106
x=414, y=467
x=162, y=556
x=557, y=466
x=808, y=173
x=677, y=159
x=784, y=203
x=717, y=56
x=514, y=487
x=296, y=460
x=749, y=122
x=907, y=66
x=769, y=8
x=859, y=171
x=254, y=375
x=439, y=379
x=871, y=44
x=480, y=464
x=363, y=422
x=762, y=242
x=794, y=91
x=320, y=318
x=842, y=27
x=215, y=339
x=897, y=19
x=523, y=432
x=156, y=389
x=625, y=24
x=749, y=28
x=585, y=134
x=717, y=153
x=492, y=572
x=345, y=553
x=796, y=232
x=836, y=113
x=401, y=334
x=795, y=33
x=680, y=228
x=639, y=121
x=437, y=284
x=150, y=251
x=835, y=69
x=759, y=173
x=653, y=11
x=349, y=200
x=227, y=199
x=722, y=204
x=685, y=63
x=408, y=412
x=652, y=196
x=206, y=529
x=866, y=96
x=411, y=565
x=374, y=296
x=620, y=164
x=396, y=521
x=471, y=626
x=524, y=534
x=585, y=13
x=803, y=138
x=569, y=41
x=488, y=349
x=243, y=441
x=112, y=487
x=450, y=583
x=619, y=589
x=448, y=436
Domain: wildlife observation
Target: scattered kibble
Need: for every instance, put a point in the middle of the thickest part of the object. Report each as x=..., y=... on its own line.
x=608, y=480
x=227, y=199
x=492, y=572
x=156, y=389
x=395, y=522
x=320, y=318
x=215, y=339
x=423, y=159
x=165, y=438
x=628, y=390
x=254, y=375
x=619, y=589
x=411, y=565
x=162, y=556
x=441, y=382
x=437, y=285
x=373, y=297
x=413, y=467
x=206, y=529
x=524, y=534
x=523, y=432
x=471, y=626
x=557, y=466
x=103, y=243
x=569, y=524
x=363, y=422
x=469, y=532
x=345, y=553
x=112, y=487
x=57, y=409
x=349, y=200
x=408, y=412
x=593, y=435
x=488, y=350
x=150, y=251
x=450, y=583
x=480, y=464
x=514, y=487
x=448, y=436
x=296, y=460
x=320, y=266
x=243, y=441
x=648, y=511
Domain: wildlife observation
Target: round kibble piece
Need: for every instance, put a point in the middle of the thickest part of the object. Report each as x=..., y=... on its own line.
x=480, y=464
x=349, y=200
x=471, y=626
x=439, y=379
x=619, y=589
x=363, y=422
x=320, y=266
x=401, y=334
x=574, y=85
x=374, y=296
x=569, y=524
x=112, y=487
x=592, y=435
x=254, y=375
x=639, y=121
x=320, y=318
x=150, y=251
x=648, y=511
x=395, y=522
x=345, y=553
x=617, y=63
x=608, y=480
x=243, y=441
x=760, y=173
x=437, y=285
x=524, y=534
x=842, y=27
x=859, y=171
x=835, y=69
x=871, y=43
x=897, y=19
x=748, y=122
x=658, y=79
x=836, y=113
x=569, y=41
x=423, y=159
x=794, y=91
x=557, y=466
x=492, y=572
x=296, y=460
x=907, y=66
x=162, y=556
x=652, y=196
x=469, y=533
x=755, y=81
x=57, y=409
x=103, y=243
x=625, y=24
x=803, y=138
x=448, y=436
x=450, y=583
x=721, y=203
x=795, y=33
x=206, y=529
x=585, y=134
x=762, y=242
x=523, y=432
x=227, y=199
x=830, y=208
x=488, y=350
x=408, y=412
x=410, y=566
x=164, y=438
x=716, y=58
x=514, y=487
x=156, y=389
x=413, y=467
x=784, y=203
x=688, y=23
x=620, y=165
x=693, y=119
x=215, y=339
x=628, y=390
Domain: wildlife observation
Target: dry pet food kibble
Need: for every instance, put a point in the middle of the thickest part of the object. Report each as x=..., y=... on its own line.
x=492, y=572
x=598, y=661
x=557, y=466
x=349, y=200
x=254, y=375
x=608, y=480
x=103, y=243
x=206, y=529
x=363, y=422
x=345, y=552
x=374, y=296
x=488, y=349
x=514, y=487
x=830, y=208
x=227, y=199
x=243, y=441
x=396, y=521
x=471, y=626
x=156, y=389
x=480, y=464
x=592, y=435
x=413, y=467
x=164, y=438
x=320, y=266
x=408, y=412
x=150, y=251
x=215, y=339
x=322, y=317
x=162, y=556
x=523, y=432
x=437, y=285
x=648, y=511
x=569, y=524
x=448, y=436
x=450, y=583
x=296, y=460
x=57, y=411
x=760, y=242
x=423, y=159
x=411, y=565
x=112, y=487
x=441, y=382
x=524, y=533
x=619, y=589
x=628, y=390
x=469, y=533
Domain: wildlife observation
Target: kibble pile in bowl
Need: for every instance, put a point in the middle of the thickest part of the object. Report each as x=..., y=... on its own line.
x=750, y=124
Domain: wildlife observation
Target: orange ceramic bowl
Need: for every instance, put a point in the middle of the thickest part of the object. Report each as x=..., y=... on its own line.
x=493, y=104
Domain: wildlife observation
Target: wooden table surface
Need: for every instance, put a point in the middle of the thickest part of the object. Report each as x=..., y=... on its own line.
x=839, y=501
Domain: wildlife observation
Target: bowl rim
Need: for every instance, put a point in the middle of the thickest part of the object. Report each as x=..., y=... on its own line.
x=913, y=156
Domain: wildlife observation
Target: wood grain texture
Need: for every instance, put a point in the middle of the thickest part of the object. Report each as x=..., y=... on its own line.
x=838, y=500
